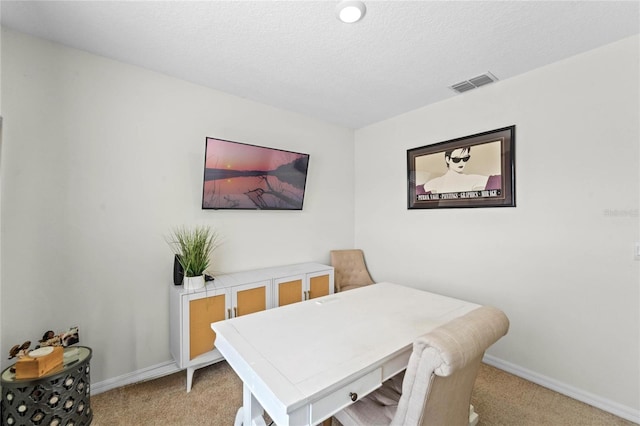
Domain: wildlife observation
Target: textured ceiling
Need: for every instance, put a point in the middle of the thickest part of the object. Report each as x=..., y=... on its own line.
x=297, y=56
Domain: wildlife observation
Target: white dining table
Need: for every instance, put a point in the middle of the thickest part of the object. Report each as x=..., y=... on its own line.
x=306, y=361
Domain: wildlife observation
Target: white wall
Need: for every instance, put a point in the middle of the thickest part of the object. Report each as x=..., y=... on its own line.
x=100, y=160
x=561, y=263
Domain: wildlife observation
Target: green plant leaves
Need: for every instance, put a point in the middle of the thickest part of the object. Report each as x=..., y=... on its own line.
x=194, y=247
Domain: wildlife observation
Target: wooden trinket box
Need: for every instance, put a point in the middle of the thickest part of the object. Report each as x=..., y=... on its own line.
x=33, y=367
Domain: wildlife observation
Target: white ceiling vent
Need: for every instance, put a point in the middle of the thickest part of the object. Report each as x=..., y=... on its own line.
x=474, y=82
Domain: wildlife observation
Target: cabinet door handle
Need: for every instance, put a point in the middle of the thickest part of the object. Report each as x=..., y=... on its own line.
x=235, y=311
x=229, y=313
x=354, y=396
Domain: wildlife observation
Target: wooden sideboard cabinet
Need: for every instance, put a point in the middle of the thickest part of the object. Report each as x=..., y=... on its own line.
x=191, y=312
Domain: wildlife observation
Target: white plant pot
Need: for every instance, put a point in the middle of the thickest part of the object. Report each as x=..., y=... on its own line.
x=193, y=283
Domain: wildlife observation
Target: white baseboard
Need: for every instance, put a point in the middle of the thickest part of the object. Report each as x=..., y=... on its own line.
x=609, y=406
x=145, y=374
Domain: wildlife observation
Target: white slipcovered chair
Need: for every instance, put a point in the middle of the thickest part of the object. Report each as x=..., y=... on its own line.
x=436, y=387
x=350, y=270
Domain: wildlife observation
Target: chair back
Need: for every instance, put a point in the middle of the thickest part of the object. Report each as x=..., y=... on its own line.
x=442, y=369
x=350, y=271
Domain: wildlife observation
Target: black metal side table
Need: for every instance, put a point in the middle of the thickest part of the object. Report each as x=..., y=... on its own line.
x=60, y=398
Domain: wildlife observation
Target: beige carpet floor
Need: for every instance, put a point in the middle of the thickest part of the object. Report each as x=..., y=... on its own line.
x=500, y=399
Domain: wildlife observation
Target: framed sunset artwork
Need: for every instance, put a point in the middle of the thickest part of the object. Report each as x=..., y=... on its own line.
x=249, y=177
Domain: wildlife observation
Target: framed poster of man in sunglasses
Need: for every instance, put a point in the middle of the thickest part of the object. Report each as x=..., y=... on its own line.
x=472, y=171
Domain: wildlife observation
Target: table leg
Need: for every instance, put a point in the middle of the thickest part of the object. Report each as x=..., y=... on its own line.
x=251, y=411
x=239, y=417
x=473, y=416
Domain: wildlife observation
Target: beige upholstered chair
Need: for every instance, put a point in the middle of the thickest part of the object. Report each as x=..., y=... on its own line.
x=350, y=269
x=436, y=387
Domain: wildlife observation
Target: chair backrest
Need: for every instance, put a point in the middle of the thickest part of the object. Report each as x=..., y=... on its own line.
x=350, y=271
x=442, y=369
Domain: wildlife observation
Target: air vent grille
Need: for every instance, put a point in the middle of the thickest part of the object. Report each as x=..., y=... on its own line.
x=474, y=82
x=463, y=86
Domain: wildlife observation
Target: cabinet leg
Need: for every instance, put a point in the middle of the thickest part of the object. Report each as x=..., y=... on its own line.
x=190, y=371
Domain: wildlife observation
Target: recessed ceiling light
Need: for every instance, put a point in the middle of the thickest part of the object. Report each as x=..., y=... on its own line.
x=350, y=11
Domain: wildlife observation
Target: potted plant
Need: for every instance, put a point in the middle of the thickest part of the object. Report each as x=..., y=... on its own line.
x=193, y=248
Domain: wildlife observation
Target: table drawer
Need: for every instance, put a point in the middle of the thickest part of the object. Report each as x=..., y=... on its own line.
x=336, y=401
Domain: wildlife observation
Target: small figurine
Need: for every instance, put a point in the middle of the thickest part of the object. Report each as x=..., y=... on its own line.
x=20, y=350
x=50, y=339
x=65, y=339
x=70, y=337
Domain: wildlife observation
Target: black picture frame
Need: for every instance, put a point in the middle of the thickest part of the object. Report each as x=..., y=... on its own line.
x=483, y=175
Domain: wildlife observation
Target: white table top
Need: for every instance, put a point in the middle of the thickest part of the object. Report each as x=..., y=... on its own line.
x=293, y=354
